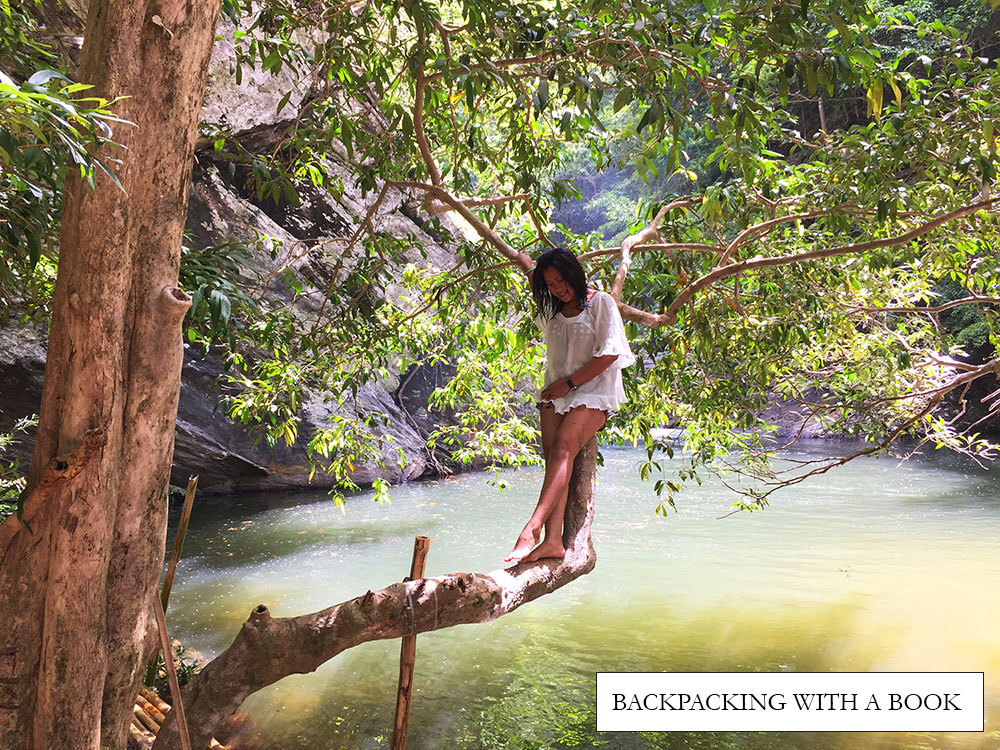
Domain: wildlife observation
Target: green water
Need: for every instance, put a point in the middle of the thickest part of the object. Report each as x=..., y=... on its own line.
x=877, y=566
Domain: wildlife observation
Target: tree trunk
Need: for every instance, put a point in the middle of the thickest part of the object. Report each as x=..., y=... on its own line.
x=267, y=649
x=76, y=588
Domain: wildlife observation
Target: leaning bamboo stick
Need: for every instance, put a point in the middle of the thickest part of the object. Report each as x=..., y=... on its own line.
x=175, y=555
x=175, y=688
x=168, y=581
x=408, y=654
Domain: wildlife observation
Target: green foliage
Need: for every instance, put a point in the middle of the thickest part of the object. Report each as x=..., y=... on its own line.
x=46, y=123
x=217, y=277
x=185, y=666
x=716, y=101
x=12, y=474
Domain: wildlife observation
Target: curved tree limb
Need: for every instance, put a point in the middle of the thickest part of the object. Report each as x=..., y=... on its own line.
x=436, y=206
x=975, y=299
x=669, y=316
x=781, y=260
x=268, y=648
x=637, y=239
x=440, y=194
x=420, y=84
x=668, y=247
x=751, y=233
x=937, y=395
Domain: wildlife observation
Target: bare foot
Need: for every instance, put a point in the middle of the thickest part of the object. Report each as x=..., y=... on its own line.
x=525, y=542
x=546, y=550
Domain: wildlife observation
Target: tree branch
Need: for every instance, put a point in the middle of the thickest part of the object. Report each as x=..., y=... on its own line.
x=752, y=233
x=267, y=649
x=439, y=193
x=638, y=239
x=439, y=207
x=974, y=299
x=668, y=247
x=670, y=315
x=420, y=83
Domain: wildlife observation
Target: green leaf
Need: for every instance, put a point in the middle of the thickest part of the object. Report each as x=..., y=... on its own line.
x=34, y=249
x=898, y=94
x=841, y=27
x=875, y=99
x=283, y=101
x=811, y=80
x=44, y=76
x=543, y=94
x=624, y=97
x=470, y=96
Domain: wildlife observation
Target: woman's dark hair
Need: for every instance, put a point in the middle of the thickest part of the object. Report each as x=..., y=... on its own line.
x=572, y=273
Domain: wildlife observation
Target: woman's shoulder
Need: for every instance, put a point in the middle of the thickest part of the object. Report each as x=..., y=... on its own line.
x=599, y=298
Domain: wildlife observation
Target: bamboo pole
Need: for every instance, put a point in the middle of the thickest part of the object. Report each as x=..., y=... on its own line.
x=154, y=699
x=157, y=715
x=168, y=662
x=142, y=737
x=175, y=555
x=408, y=654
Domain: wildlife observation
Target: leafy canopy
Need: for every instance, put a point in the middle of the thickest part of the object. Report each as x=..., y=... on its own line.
x=816, y=214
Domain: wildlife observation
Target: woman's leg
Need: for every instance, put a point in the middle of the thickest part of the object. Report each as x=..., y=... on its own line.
x=550, y=424
x=571, y=434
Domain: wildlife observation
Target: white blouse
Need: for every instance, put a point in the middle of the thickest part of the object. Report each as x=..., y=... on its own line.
x=572, y=342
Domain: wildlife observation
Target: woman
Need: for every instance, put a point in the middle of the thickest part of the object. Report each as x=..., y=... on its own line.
x=587, y=349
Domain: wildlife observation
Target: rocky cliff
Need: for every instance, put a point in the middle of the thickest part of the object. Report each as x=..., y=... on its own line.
x=222, y=210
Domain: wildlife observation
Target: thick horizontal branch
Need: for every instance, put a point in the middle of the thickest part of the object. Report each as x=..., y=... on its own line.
x=669, y=316
x=973, y=300
x=668, y=247
x=268, y=649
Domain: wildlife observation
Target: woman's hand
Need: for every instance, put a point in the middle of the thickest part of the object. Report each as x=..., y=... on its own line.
x=557, y=389
x=525, y=262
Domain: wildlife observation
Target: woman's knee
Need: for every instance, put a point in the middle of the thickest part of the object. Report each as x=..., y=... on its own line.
x=563, y=449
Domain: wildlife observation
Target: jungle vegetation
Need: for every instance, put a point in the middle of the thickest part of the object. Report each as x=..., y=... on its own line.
x=829, y=242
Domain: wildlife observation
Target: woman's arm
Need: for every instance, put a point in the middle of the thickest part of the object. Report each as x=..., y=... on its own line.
x=589, y=371
x=526, y=264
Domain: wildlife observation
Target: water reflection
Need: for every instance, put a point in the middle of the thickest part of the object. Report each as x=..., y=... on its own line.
x=877, y=566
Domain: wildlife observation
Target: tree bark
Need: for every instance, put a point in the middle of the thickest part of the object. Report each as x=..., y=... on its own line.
x=267, y=649
x=76, y=588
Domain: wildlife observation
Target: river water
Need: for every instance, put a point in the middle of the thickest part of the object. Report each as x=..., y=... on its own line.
x=875, y=566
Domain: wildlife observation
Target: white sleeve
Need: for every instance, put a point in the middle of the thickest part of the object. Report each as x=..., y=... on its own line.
x=610, y=331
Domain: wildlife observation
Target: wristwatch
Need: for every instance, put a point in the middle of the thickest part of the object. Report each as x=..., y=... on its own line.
x=569, y=381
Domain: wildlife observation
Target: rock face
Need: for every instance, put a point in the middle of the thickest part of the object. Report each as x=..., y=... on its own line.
x=207, y=442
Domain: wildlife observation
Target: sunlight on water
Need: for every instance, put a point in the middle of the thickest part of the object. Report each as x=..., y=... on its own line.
x=876, y=566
